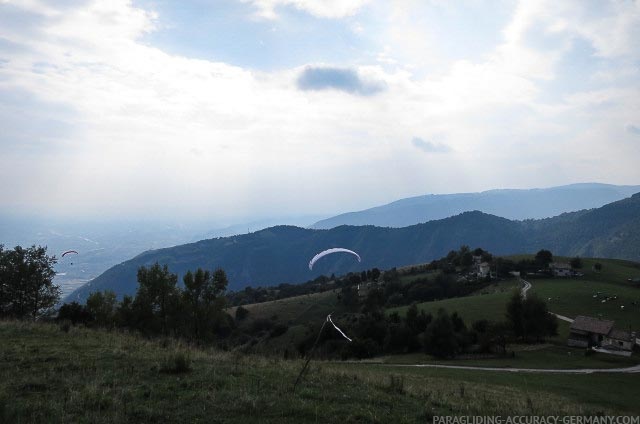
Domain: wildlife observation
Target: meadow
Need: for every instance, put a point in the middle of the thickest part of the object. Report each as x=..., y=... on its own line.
x=51, y=373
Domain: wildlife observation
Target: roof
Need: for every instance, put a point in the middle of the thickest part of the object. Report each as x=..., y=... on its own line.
x=592, y=325
x=620, y=335
x=559, y=265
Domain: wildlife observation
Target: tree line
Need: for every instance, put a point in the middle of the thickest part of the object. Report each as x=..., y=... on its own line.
x=161, y=307
x=443, y=335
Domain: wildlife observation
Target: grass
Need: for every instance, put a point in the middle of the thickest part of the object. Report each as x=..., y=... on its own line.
x=89, y=376
x=489, y=304
x=295, y=310
x=572, y=297
x=540, y=357
x=569, y=297
x=527, y=393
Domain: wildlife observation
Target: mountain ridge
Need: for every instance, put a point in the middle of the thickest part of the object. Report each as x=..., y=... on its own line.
x=517, y=204
x=280, y=254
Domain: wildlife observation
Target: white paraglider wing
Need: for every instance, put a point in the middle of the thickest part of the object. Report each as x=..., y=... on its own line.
x=330, y=251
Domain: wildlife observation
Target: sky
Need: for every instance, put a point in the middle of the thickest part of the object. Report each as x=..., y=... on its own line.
x=257, y=108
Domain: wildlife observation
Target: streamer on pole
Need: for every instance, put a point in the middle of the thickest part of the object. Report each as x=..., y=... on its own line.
x=336, y=327
x=313, y=349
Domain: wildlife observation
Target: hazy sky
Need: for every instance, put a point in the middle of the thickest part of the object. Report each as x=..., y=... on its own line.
x=280, y=107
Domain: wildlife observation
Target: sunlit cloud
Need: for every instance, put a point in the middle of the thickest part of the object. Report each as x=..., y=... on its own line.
x=96, y=118
x=333, y=9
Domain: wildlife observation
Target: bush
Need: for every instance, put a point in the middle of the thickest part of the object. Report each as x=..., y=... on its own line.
x=177, y=363
x=241, y=313
x=65, y=326
x=279, y=330
x=261, y=324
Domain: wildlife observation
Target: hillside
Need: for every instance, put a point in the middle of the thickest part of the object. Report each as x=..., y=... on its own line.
x=82, y=375
x=281, y=254
x=511, y=204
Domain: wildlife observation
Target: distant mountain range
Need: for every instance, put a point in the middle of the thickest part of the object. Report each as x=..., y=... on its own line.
x=281, y=254
x=103, y=243
x=511, y=204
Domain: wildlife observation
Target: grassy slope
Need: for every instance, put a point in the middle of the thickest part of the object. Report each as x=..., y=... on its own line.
x=296, y=313
x=489, y=303
x=295, y=310
x=93, y=376
x=574, y=296
x=570, y=297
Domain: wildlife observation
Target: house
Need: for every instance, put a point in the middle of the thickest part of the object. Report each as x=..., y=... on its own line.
x=601, y=336
x=483, y=269
x=619, y=340
x=560, y=269
x=588, y=331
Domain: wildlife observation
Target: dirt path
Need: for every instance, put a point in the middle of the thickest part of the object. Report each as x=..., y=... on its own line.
x=628, y=370
x=525, y=288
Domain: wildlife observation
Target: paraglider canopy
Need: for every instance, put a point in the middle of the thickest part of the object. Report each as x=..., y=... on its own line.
x=68, y=252
x=330, y=251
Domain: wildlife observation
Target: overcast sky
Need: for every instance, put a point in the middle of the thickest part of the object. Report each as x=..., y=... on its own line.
x=253, y=108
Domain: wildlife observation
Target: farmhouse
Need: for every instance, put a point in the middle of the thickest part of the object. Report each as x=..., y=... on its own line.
x=601, y=335
x=618, y=340
x=560, y=269
x=484, y=269
x=587, y=331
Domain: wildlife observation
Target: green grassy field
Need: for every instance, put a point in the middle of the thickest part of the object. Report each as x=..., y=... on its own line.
x=527, y=393
x=489, y=303
x=88, y=376
x=565, y=296
x=575, y=296
x=295, y=310
x=540, y=357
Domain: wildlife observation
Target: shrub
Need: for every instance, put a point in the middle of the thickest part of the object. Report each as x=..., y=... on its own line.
x=177, y=363
x=279, y=330
x=65, y=326
x=241, y=313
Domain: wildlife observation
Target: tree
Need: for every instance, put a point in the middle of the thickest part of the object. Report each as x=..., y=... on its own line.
x=597, y=266
x=529, y=318
x=515, y=314
x=203, y=300
x=544, y=257
x=156, y=297
x=26, y=282
x=241, y=313
x=440, y=338
x=101, y=306
x=576, y=262
x=538, y=322
x=74, y=312
x=375, y=274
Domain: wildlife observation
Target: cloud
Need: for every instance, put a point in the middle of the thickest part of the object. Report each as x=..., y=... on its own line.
x=429, y=146
x=332, y=9
x=343, y=79
x=99, y=117
x=633, y=129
